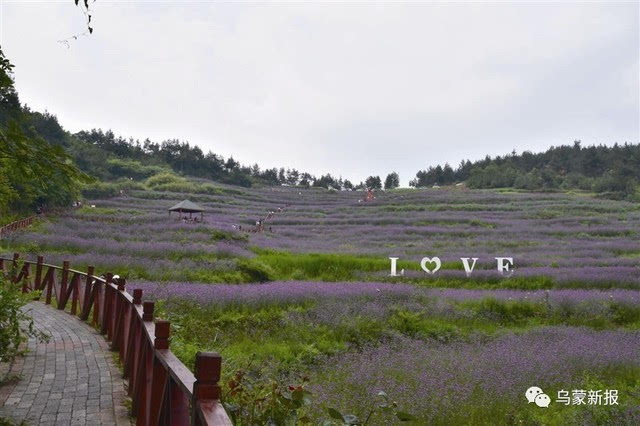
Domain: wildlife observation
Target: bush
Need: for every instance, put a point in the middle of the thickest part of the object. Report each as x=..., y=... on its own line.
x=238, y=178
x=530, y=181
x=163, y=179
x=16, y=325
x=577, y=180
x=255, y=270
x=100, y=190
x=127, y=168
x=169, y=182
x=129, y=185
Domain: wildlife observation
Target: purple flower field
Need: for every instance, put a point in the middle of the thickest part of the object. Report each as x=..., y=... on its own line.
x=448, y=348
x=568, y=238
x=294, y=291
x=447, y=383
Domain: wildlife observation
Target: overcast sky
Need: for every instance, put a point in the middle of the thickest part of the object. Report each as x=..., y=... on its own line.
x=352, y=89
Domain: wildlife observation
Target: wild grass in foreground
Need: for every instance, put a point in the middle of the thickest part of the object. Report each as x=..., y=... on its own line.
x=446, y=356
x=484, y=382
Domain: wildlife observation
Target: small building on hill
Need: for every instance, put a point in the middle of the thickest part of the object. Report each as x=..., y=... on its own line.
x=187, y=206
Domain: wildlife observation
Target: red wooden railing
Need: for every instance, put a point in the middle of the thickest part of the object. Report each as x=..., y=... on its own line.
x=18, y=224
x=162, y=389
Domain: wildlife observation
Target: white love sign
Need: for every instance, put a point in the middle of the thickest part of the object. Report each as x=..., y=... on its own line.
x=504, y=265
x=465, y=262
x=425, y=260
x=394, y=267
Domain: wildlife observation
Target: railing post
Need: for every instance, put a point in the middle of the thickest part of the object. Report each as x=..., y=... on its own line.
x=38, y=280
x=163, y=329
x=24, y=276
x=14, y=267
x=160, y=376
x=147, y=311
x=74, y=290
x=137, y=296
x=63, y=285
x=142, y=390
x=133, y=339
x=86, y=300
x=50, y=278
x=207, y=373
x=106, y=304
x=97, y=303
x=120, y=316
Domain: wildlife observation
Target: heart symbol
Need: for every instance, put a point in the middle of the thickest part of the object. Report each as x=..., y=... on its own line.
x=423, y=264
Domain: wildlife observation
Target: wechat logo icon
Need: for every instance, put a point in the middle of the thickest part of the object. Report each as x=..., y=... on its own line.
x=534, y=394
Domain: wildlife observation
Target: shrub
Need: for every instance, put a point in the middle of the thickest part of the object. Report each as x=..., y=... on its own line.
x=16, y=325
x=175, y=187
x=255, y=270
x=132, y=169
x=577, y=180
x=129, y=185
x=162, y=179
x=100, y=190
x=252, y=400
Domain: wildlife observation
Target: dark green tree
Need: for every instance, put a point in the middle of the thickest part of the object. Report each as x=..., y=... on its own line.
x=392, y=181
x=32, y=171
x=373, y=182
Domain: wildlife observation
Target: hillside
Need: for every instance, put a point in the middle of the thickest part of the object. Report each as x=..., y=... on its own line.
x=45, y=165
x=554, y=238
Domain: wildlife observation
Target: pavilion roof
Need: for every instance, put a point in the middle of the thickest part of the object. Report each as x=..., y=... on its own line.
x=186, y=206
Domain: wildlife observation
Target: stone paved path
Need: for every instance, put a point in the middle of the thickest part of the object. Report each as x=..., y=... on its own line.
x=72, y=380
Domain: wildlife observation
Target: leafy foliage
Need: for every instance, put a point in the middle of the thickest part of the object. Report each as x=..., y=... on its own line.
x=110, y=157
x=16, y=325
x=373, y=182
x=612, y=170
x=250, y=400
x=392, y=181
x=382, y=407
x=32, y=171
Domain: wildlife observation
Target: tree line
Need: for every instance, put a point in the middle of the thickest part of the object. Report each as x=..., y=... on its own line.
x=612, y=170
x=110, y=157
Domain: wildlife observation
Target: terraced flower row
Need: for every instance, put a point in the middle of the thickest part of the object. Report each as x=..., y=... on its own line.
x=568, y=238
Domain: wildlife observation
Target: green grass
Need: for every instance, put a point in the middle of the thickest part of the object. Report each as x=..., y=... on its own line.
x=87, y=210
x=281, y=266
x=287, y=339
x=279, y=340
x=626, y=381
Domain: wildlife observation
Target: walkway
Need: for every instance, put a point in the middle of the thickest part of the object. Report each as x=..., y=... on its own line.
x=72, y=380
